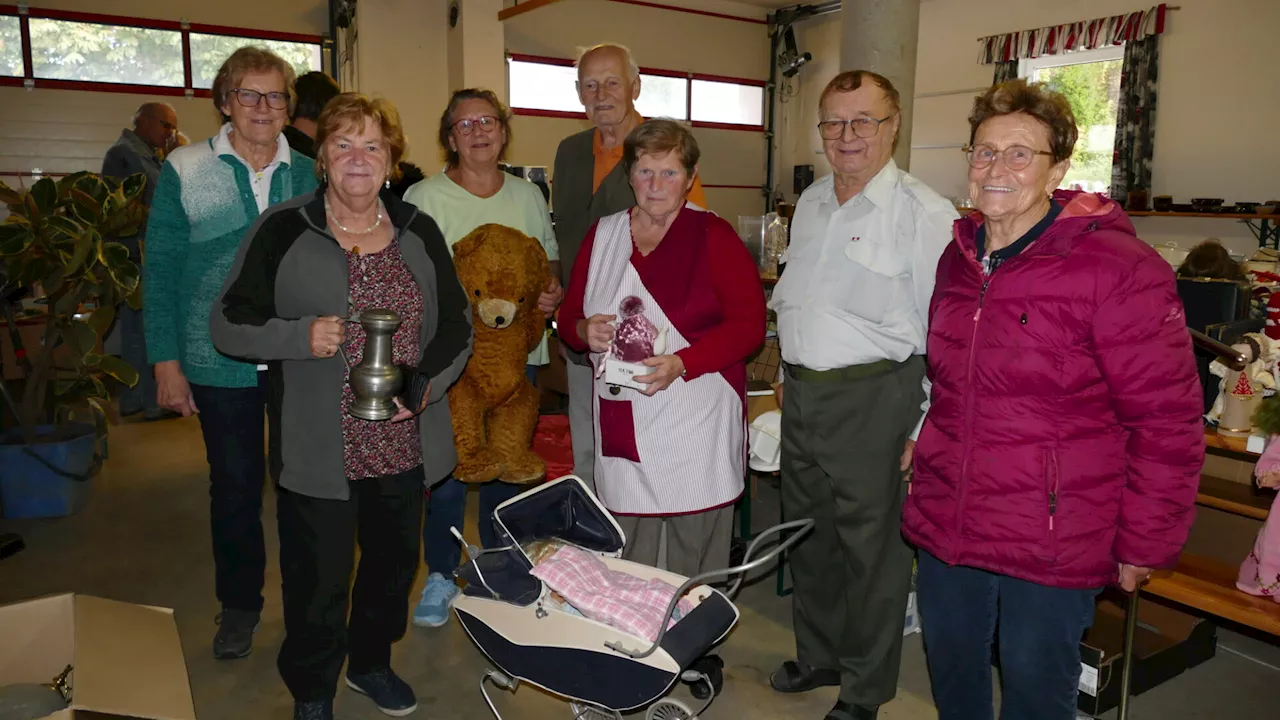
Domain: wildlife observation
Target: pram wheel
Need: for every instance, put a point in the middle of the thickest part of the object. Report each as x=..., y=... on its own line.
x=669, y=709
x=705, y=677
x=582, y=711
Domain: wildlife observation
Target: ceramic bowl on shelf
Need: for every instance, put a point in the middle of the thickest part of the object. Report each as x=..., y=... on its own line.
x=1162, y=203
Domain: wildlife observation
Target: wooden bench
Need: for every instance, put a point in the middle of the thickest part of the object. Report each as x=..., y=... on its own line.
x=1203, y=583
x=1209, y=585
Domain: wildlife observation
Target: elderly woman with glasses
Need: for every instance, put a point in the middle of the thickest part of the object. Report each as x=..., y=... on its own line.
x=209, y=194
x=475, y=131
x=351, y=247
x=1062, y=449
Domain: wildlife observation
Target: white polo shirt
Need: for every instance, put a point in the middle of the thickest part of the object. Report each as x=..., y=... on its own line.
x=859, y=276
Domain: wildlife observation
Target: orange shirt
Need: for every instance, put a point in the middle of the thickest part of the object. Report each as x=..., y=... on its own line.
x=607, y=159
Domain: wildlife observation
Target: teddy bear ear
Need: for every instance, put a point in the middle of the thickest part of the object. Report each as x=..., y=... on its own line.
x=471, y=242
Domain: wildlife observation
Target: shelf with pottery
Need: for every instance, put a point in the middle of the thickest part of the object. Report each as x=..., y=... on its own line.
x=1263, y=225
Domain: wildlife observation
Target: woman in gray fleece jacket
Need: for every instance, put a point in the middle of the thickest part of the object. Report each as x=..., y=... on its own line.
x=308, y=264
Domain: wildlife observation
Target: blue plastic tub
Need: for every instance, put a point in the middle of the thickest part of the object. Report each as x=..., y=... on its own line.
x=30, y=489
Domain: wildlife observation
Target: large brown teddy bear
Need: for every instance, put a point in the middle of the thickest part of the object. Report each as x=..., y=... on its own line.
x=494, y=407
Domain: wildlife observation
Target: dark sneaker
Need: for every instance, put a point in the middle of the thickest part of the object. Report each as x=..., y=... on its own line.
x=316, y=710
x=392, y=695
x=235, y=634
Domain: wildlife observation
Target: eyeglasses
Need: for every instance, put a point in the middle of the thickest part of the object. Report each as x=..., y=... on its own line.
x=466, y=126
x=1016, y=157
x=251, y=98
x=863, y=127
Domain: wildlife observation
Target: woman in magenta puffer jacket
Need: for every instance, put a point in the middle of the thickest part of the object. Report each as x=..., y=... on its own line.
x=1063, y=445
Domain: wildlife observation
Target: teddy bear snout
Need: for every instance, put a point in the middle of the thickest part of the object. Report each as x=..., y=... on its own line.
x=497, y=314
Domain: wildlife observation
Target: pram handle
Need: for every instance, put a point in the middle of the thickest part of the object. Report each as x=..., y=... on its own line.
x=802, y=527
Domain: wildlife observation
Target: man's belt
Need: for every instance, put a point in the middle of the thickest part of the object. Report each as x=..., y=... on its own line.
x=853, y=372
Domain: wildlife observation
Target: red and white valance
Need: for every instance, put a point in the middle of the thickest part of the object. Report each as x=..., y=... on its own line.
x=1070, y=37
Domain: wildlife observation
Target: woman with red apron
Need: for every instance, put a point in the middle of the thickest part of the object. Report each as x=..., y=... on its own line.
x=673, y=454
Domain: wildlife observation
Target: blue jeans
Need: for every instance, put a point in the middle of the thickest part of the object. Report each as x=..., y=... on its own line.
x=446, y=507
x=1038, y=631
x=232, y=421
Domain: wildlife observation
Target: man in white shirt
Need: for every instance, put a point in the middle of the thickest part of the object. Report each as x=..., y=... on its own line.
x=852, y=307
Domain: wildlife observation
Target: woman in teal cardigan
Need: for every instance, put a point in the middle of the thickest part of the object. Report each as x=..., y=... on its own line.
x=209, y=195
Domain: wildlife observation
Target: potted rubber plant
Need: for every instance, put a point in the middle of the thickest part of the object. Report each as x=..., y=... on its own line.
x=60, y=237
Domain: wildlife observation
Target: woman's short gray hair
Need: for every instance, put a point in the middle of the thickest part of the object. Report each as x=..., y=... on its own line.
x=632, y=67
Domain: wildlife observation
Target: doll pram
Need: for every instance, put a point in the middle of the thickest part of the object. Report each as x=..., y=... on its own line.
x=601, y=670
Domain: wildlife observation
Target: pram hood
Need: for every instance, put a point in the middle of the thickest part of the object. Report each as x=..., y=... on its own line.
x=562, y=509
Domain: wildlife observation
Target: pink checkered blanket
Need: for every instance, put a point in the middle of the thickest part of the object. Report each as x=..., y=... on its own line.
x=615, y=598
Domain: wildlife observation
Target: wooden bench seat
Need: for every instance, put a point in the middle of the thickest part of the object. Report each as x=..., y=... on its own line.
x=1234, y=497
x=1210, y=586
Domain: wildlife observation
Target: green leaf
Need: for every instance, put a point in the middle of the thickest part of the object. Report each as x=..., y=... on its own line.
x=88, y=207
x=134, y=185
x=102, y=318
x=122, y=269
x=9, y=196
x=61, y=229
x=15, y=237
x=100, y=390
x=82, y=339
x=95, y=187
x=85, y=246
x=135, y=297
x=118, y=369
x=45, y=195
x=92, y=359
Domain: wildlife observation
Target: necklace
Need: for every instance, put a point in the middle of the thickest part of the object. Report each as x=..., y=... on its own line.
x=343, y=228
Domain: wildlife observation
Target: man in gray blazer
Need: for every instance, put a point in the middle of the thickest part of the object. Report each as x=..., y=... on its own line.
x=140, y=150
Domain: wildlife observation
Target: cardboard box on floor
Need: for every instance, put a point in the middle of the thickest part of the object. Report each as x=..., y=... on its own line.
x=1168, y=642
x=126, y=659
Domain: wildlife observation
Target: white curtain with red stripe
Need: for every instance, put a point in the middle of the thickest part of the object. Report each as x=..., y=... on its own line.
x=1071, y=37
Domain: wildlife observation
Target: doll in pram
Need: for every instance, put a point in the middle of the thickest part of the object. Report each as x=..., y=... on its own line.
x=600, y=669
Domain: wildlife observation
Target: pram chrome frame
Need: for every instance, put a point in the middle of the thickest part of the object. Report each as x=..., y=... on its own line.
x=478, y=607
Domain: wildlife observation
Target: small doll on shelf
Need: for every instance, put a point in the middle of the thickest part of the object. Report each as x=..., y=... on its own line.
x=1260, y=572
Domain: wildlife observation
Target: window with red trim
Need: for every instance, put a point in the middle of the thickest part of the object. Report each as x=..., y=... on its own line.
x=140, y=53
x=10, y=46
x=208, y=52
x=545, y=86
x=93, y=52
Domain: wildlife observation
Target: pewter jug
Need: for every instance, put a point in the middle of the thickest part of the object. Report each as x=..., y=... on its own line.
x=376, y=380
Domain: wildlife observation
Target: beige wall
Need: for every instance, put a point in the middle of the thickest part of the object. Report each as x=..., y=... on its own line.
x=403, y=56
x=1215, y=127
x=662, y=39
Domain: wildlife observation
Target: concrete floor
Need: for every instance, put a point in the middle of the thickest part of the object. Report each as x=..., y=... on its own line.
x=145, y=538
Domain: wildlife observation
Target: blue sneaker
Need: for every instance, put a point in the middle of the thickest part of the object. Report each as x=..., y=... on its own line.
x=392, y=695
x=433, y=608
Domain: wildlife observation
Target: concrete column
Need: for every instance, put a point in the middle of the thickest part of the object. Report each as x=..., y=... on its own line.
x=400, y=52
x=477, y=56
x=881, y=35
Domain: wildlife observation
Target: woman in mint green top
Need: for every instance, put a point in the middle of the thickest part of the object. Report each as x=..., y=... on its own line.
x=472, y=191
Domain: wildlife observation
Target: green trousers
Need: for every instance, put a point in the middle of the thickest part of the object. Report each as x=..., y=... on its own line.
x=842, y=441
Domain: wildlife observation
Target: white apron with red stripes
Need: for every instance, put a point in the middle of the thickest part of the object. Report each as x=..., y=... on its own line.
x=690, y=436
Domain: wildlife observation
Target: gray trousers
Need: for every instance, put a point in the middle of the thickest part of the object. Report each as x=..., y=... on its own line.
x=842, y=441
x=696, y=543
x=582, y=422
